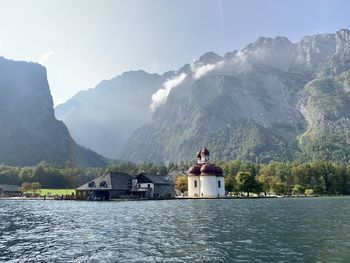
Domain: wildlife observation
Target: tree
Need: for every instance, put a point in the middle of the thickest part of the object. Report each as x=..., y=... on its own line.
x=30, y=187
x=309, y=191
x=297, y=189
x=181, y=183
x=35, y=187
x=25, y=187
x=265, y=182
x=278, y=187
x=230, y=183
x=246, y=182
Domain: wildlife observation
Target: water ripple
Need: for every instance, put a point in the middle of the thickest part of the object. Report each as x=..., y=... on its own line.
x=274, y=230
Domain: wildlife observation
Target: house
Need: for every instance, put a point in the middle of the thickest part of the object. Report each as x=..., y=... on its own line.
x=109, y=186
x=153, y=186
x=121, y=185
x=9, y=190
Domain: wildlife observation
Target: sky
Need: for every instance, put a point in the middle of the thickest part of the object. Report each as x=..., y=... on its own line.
x=82, y=42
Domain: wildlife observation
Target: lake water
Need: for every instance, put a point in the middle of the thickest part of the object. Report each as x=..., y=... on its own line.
x=262, y=230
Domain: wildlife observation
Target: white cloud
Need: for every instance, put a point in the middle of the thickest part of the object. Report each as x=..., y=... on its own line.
x=45, y=56
x=160, y=96
x=201, y=71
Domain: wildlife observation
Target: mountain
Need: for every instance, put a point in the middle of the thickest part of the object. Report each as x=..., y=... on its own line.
x=273, y=100
x=29, y=131
x=104, y=118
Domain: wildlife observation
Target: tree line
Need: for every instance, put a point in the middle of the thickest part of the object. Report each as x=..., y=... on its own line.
x=69, y=176
x=317, y=177
x=282, y=178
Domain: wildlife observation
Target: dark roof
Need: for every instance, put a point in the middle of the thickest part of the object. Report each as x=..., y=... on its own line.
x=156, y=179
x=109, y=181
x=205, y=169
x=195, y=169
x=9, y=188
x=205, y=151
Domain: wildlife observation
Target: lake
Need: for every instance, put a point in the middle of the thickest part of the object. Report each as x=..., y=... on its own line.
x=259, y=230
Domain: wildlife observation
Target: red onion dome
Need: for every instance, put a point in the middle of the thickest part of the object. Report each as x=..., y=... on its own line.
x=208, y=169
x=195, y=170
x=219, y=171
x=205, y=151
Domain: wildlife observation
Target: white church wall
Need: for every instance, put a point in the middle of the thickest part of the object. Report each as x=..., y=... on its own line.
x=208, y=186
x=193, y=186
x=221, y=189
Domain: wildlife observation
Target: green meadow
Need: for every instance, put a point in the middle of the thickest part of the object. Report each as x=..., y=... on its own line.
x=55, y=192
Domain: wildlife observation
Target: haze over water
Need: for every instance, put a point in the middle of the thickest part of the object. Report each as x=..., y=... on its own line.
x=273, y=230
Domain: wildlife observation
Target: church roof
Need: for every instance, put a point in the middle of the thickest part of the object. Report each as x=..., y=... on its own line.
x=205, y=168
x=205, y=151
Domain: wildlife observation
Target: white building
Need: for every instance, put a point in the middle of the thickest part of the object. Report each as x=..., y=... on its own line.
x=205, y=179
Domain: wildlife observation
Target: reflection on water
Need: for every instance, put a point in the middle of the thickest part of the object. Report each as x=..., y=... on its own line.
x=271, y=230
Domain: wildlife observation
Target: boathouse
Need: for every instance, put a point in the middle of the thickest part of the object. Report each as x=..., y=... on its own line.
x=9, y=190
x=121, y=185
x=109, y=186
x=153, y=186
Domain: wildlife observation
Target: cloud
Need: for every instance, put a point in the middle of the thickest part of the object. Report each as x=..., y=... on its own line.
x=201, y=71
x=160, y=96
x=45, y=56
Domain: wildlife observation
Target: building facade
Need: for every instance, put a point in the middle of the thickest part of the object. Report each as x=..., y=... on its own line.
x=109, y=186
x=205, y=180
x=120, y=185
x=153, y=186
x=7, y=190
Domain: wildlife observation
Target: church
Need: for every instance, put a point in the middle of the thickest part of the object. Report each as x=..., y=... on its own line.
x=205, y=180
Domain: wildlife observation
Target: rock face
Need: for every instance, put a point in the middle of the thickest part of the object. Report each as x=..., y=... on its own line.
x=272, y=100
x=312, y=50
x=29, y=132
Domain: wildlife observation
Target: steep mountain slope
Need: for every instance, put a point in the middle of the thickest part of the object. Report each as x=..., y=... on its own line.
x=103, y=118
x=29, y=132
x=273, y=100
x=326, y=107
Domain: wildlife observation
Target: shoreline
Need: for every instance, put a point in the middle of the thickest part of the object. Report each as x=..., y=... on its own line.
x=176, y=198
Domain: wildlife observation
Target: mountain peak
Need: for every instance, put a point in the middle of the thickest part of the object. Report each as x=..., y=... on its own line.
x=209, y=58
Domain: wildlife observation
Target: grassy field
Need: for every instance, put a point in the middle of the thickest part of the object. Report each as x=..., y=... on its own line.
x=57, y=191
x=54, y=192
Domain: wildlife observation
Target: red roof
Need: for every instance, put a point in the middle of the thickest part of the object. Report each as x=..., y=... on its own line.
x=195, y=169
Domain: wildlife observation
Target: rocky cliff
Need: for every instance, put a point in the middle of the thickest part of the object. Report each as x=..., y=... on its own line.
x=29, y=131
